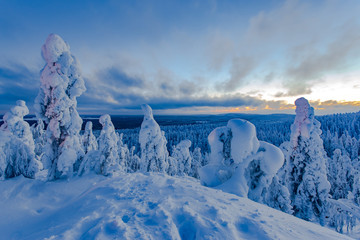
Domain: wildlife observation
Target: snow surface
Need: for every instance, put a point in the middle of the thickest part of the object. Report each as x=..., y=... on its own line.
x=140, y=206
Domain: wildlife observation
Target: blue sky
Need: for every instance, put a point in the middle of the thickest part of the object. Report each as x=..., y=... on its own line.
x=189, y=57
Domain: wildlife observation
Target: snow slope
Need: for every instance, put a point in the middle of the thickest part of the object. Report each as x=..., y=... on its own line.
x=140, y=206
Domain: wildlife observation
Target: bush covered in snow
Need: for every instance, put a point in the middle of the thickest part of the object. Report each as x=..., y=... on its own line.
x=17, y=146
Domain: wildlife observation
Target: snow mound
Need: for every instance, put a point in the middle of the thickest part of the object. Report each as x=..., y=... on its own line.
x=140, y=206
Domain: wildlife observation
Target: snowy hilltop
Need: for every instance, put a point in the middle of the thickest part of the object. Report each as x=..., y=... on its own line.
x=141, y=206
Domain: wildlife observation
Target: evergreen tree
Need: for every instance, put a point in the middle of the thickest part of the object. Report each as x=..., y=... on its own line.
x=154, y=153
x=182, y=155
x=18, y=145
x=88, y=140
x=39, y=136
x=61, y=84
x=108, y=147
x=305, y=171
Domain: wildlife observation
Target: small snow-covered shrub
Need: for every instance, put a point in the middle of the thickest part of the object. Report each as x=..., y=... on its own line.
x=17, y=146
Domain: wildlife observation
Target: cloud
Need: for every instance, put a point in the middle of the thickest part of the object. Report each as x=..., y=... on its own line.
x=17, y=82
x=119, y=78
x=240, y=69
x=314, y=65
x=308, y=41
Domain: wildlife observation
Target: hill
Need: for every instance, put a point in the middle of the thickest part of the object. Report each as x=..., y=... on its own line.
x=140, y=206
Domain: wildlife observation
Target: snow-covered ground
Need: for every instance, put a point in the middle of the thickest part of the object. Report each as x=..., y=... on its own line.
x=140, y=206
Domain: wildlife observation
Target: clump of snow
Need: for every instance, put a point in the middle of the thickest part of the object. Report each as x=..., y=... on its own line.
x=239, y=162
x=61, y=83
x=141, y=206
x=53, y=48
x=154, y=154
x=244, y=141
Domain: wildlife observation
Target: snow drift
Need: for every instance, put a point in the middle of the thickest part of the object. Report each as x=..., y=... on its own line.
x=140, y=206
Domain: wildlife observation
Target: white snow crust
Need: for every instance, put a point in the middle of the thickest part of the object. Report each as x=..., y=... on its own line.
x=140, y=206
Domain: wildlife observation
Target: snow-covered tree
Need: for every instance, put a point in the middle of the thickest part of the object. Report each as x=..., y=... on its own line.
x=196, y=162
x=340, y=175
x=173, y=166
x=39, y=136
x=108, y=147
x=239, y=162
x=61, y=84
x=304, y=170
x=182, y=155
x=134, y=161
x=18, y=145
x=277, y=196
x=124, y=153
x=4, y=149
x=154, y=154
x=88, y=140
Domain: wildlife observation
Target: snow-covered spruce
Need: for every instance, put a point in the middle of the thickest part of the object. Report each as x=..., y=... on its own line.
x=105, y=160
x=61, y=84
x=196, y=162
x=154, y=154
x=38, y=131
x=17, y=146
x=304, y=171
x=240, y=163
x=182, y=154
x=124, y=153
x=134, y=161
x=88, y=140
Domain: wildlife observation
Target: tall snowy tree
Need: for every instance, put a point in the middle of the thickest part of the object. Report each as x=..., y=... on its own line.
x=19, y=150
x=304, y=170
x=61, y=84
x=154, y=154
